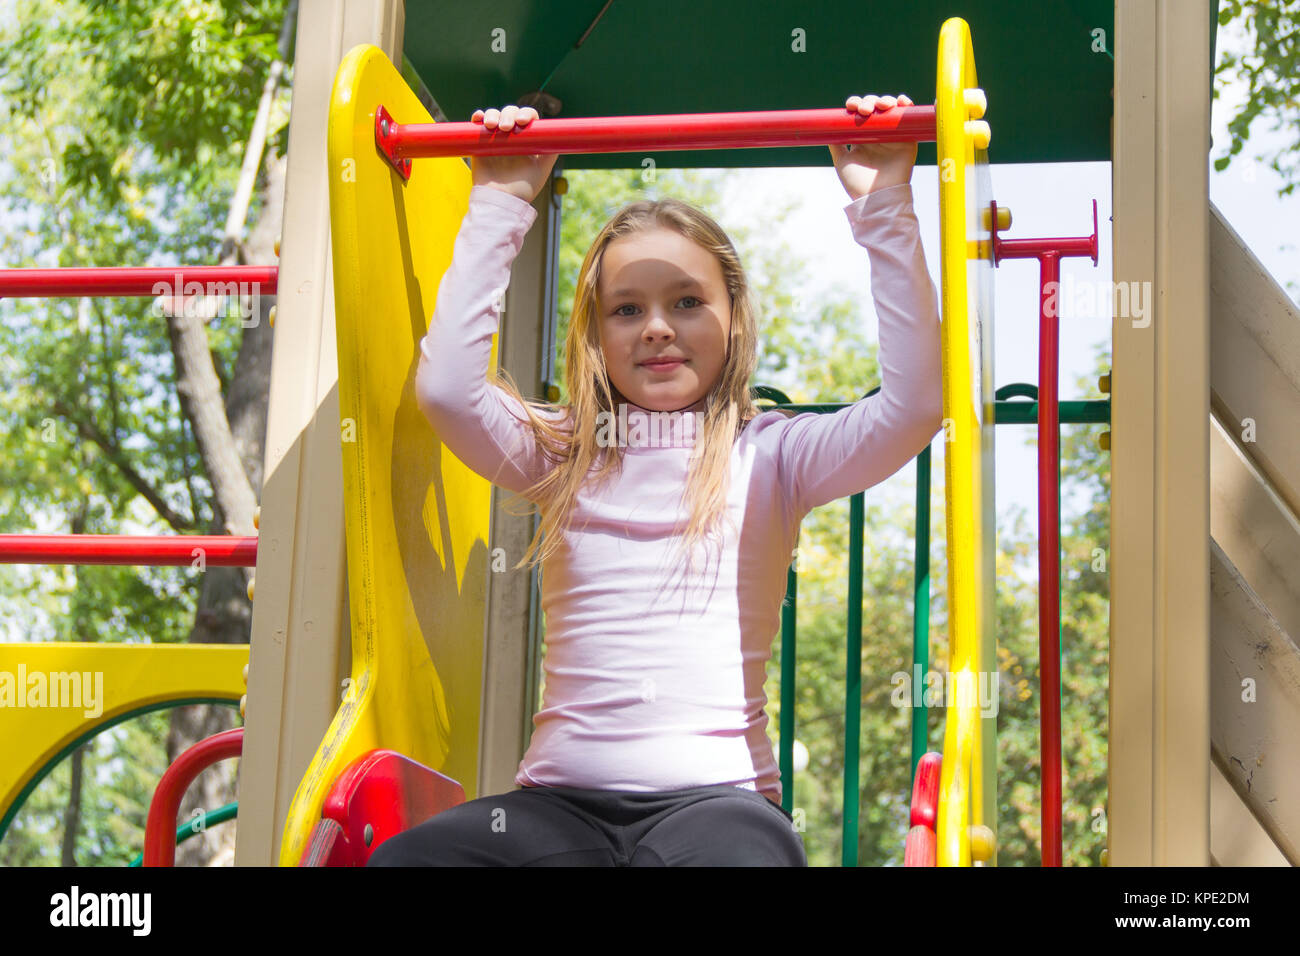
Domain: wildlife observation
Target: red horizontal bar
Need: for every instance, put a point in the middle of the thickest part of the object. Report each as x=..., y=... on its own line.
x=621, y=134
x=1058, y=247
x=177, y=550
x=1033, y=248
x=151, y=281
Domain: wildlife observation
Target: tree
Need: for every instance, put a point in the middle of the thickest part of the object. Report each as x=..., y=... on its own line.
x=1269, y=68
x=136, y=135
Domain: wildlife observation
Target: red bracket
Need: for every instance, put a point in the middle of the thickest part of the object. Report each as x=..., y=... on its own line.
x=385, y=139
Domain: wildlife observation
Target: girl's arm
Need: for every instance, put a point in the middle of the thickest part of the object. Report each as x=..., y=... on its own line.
x=824, y=457
x=479, y=422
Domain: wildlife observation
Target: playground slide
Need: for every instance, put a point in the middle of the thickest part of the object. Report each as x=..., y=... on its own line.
x=1255, y=549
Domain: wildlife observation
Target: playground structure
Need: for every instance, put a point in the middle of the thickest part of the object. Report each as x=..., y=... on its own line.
x=421, y=713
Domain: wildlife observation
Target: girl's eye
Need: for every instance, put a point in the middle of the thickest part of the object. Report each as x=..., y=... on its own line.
x=696, y=300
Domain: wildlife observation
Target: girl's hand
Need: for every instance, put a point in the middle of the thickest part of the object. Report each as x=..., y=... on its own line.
x=868, y=167
x=521, y=176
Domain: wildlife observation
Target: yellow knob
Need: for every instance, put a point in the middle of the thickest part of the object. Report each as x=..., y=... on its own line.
x=243, y=701
x=975, y=102
x=1105, y=857
x=250, y=589
x=552, y=393
x=277, y=247
x=1004, y=218
x=257, y=515
x=270, y=316
x=979, y=132
x=1103, y=383
x=981, y=843
x=561, y=185
x=245, y=675
x=1103, y=441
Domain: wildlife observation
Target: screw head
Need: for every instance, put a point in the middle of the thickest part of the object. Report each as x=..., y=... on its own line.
x=383, y=127
x=369, y=834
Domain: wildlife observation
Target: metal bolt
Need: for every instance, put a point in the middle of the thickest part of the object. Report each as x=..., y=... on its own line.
x=370, y=834
x=383, y=127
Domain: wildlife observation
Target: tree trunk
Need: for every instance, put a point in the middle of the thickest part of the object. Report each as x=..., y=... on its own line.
x=224, y=614
x=72, y=813
x=231, y=436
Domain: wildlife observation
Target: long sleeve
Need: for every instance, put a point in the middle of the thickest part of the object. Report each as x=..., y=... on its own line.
x=824, y=457
x=480, y=423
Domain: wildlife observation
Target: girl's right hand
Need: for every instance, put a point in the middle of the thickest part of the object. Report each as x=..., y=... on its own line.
x=521, y=176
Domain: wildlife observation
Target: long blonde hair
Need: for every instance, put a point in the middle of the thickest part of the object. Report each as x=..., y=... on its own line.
x=571, y=442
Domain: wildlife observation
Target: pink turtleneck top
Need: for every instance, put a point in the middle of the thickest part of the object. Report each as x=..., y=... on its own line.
x=652, y=686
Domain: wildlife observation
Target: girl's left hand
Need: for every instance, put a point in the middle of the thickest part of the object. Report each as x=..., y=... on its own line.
x=869, y=167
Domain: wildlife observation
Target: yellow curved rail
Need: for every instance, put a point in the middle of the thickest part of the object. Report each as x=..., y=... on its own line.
x=967, y=795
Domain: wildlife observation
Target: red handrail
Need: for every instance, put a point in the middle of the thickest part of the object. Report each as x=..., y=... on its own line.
x=620, y=134
x=132, y=280
x=178, y=550
x=160, y=828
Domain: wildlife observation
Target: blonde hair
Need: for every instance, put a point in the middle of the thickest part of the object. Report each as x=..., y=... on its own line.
x=571, y=441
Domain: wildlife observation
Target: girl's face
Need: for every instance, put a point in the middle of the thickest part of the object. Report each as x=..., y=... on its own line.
x=661, y=296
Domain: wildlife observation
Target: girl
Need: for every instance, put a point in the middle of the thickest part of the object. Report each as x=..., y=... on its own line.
x=651, y=746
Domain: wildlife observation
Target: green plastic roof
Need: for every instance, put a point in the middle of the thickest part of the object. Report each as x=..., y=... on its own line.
x=1049, y=93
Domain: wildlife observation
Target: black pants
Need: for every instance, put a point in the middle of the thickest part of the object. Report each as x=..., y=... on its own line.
x=568, y=826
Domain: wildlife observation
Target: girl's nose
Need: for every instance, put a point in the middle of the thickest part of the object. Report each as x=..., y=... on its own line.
x=656, y=326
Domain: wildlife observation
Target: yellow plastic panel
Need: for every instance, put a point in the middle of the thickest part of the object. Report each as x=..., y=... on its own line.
x=966, y=797
x=417, y=518
x=56, y=695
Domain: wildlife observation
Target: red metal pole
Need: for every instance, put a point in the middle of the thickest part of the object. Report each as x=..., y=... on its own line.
x=226, y=551
x=1048, y=252
x=160, y=827
x=129, y=281
x=1049, y=557
x=623, y=134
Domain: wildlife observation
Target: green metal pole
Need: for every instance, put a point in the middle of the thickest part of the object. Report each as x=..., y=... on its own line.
x=921, y=613
x=853, y=682
x=787, y=687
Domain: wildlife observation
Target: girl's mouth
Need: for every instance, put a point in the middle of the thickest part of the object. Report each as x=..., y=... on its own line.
x=663, y=366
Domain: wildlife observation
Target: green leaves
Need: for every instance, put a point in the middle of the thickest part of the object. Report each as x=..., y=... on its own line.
x=1269, y=69
x=178, y=78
